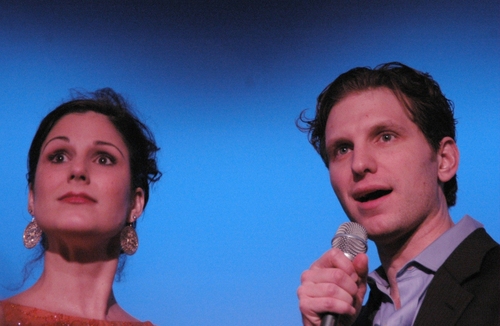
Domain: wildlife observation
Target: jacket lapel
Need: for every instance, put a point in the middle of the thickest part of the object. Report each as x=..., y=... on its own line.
x=446, y=299
x=444, y=302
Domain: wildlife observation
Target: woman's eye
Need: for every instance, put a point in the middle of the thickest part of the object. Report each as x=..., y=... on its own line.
x=105, y=160
x=57, y=158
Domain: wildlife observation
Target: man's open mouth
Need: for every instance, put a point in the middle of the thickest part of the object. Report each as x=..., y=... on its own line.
x=373, y=195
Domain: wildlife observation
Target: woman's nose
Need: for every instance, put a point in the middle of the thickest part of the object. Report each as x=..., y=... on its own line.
x=79, y=171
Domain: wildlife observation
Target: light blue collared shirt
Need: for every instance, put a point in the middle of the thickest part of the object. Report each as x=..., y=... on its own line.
x=414, y=278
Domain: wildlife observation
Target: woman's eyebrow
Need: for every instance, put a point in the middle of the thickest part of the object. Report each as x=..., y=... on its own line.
x=97, y=142
x=101, y=142
x=63, y=138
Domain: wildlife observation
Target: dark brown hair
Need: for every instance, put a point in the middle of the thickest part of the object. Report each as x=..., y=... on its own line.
x=429, y=109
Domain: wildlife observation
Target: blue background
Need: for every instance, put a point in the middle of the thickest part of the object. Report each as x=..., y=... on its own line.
x=244, y=205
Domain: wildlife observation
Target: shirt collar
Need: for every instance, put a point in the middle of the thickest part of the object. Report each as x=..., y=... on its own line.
x=438, y=251
x=432, y=257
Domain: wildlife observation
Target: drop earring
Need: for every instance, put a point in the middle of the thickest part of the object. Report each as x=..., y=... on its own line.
x=32, y=234
x=129, y=241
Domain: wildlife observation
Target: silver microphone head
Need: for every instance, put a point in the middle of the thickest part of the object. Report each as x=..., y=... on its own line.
x=351, y=239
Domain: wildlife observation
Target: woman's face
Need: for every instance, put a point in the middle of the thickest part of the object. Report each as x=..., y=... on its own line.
x=82, y=184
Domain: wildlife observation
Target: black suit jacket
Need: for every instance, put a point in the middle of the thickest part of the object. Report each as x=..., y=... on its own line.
x=464, y=291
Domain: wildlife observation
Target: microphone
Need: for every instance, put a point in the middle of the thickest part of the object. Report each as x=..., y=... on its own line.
x=351, y=239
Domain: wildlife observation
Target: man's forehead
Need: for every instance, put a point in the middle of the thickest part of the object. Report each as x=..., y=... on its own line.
x=366, y=110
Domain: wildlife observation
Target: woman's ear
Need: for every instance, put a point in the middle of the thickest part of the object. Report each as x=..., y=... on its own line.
x=31, y=200
x=137, y=205
x=448, y=159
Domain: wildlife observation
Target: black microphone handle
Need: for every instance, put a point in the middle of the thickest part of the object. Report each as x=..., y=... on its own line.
x=329, y=320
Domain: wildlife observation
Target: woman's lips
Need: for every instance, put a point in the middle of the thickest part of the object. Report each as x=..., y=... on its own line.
x=77, y=198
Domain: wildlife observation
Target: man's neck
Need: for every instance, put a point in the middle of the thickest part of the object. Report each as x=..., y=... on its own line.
x=396, y=254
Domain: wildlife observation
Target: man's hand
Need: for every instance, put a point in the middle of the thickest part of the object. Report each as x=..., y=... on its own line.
x=333, y=284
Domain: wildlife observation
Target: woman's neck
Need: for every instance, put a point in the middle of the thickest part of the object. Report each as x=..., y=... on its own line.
x=80, y=289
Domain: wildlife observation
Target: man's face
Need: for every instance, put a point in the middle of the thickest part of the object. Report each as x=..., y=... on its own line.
x=382, y=169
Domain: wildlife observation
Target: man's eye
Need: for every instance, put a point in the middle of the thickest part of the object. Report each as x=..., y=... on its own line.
x=342, y=150
x=387, y=137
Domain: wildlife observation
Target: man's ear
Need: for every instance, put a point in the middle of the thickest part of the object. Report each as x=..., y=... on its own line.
x=137, y=205
x=448, y=159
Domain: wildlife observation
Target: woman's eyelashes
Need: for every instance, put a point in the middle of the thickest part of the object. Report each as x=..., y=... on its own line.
x=57, y=157
x=100, y=157
x=104, y=158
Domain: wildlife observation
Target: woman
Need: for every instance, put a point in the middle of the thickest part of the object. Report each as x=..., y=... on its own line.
x=90, y=165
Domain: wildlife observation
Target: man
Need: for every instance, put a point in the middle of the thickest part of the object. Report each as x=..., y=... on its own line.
x=387, y=136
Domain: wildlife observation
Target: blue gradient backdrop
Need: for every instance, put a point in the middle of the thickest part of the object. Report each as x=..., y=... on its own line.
x=244, y=205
